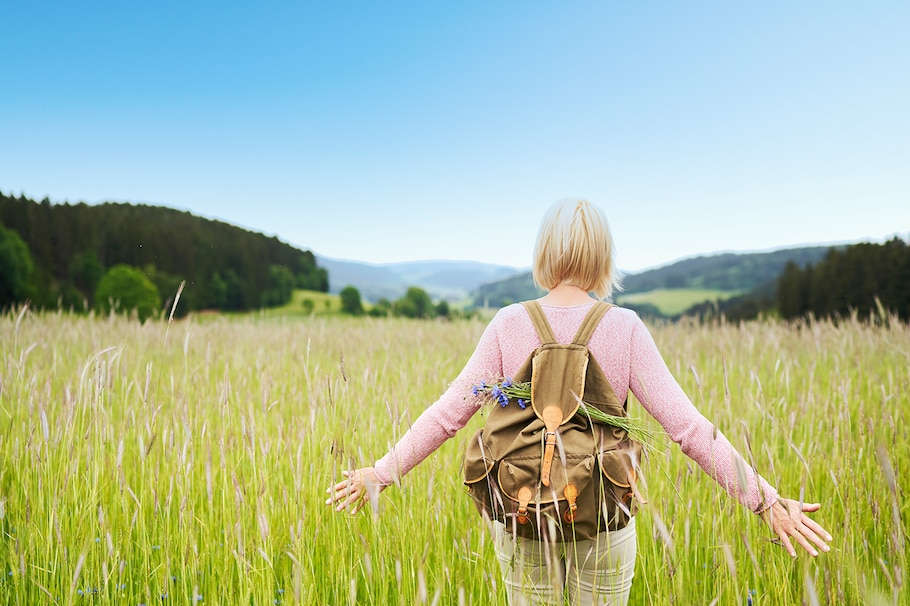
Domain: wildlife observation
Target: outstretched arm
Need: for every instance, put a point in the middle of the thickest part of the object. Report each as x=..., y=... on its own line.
x=434, y=426
x=660, y=394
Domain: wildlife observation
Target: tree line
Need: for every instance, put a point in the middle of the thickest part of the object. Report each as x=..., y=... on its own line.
x=863, y=279
x=59, y=254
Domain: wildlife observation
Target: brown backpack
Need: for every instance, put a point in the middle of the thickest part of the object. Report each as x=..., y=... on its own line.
x=544, y=470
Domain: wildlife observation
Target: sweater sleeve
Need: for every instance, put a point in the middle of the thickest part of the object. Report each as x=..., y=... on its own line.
x=447, y=415
x=663, y=398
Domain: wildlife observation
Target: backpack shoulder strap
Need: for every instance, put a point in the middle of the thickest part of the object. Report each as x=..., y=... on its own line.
x=540, y=322
x=590, y=323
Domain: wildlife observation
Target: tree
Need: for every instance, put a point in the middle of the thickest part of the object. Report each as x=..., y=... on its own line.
x=234, y=299
x=124, y=288
x=85, y=271
x=416, y=303
x=791, y=295
x=15, y=268
x=281, y=286
x=216, y=293
x=350, y=301
x=382, y=308
x=316, y=279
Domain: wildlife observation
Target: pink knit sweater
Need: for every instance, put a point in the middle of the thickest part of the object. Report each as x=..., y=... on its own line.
x=623, y=347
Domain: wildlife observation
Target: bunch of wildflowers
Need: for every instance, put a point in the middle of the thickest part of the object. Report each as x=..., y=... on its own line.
x=502, y=392
x=505, y=390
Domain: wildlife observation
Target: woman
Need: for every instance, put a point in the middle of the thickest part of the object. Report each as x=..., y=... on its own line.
x=573, y=256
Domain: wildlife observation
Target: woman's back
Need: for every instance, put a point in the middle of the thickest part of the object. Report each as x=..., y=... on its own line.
x=611, y=344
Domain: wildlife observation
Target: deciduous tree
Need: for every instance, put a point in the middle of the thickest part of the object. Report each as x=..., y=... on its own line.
x=15, y=268
x=124, y=289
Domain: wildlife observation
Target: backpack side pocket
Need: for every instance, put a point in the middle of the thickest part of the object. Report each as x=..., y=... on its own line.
x=477, y=468
x=619, y=469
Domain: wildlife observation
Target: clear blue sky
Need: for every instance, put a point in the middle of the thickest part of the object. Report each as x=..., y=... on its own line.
x=387, y=131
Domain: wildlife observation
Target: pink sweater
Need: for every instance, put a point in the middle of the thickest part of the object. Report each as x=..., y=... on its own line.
x=623, y=347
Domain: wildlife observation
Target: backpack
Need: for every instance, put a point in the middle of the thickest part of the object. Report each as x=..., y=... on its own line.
x=543, y=470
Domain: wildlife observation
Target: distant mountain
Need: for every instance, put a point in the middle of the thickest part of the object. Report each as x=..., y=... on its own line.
x=518, y=287
x=450, y=280
x=732, y=272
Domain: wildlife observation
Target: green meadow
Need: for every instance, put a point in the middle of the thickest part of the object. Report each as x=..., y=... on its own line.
x=674, y=301
x=187, y=463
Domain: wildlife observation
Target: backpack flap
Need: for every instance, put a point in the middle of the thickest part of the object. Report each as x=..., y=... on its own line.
x=558, y=379
x=557, y=384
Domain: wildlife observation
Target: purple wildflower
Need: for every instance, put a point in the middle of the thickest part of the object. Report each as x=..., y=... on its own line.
x=522, y=403
x=507, y=383
x=499, y=396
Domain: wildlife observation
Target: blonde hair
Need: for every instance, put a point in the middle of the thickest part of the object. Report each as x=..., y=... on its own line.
x=574, y=246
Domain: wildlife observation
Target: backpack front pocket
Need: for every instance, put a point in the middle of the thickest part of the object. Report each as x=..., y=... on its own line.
x=531, y=503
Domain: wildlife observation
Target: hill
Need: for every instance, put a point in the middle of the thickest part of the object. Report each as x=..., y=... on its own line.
x=224, y=266
x=737, y=272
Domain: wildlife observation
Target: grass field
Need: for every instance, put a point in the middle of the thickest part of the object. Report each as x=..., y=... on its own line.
x=150, y=465
x=307, y=303
x=674, y=301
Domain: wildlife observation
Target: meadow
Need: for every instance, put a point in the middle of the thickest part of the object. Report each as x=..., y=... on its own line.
x=187, y=463
x=674, y=301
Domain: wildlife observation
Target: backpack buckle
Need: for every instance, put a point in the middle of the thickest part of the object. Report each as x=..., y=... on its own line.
x=524, y=497
x=571, y=494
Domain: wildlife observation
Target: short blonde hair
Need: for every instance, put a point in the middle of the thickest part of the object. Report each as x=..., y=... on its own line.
x=574, y=246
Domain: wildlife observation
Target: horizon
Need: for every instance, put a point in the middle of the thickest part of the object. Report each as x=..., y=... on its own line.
x=407, y=132
x=519, y=268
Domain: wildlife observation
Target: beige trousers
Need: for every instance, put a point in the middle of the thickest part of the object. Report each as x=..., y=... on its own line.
x=582, y=573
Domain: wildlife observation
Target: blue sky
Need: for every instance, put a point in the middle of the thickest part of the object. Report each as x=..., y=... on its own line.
x=396, y=131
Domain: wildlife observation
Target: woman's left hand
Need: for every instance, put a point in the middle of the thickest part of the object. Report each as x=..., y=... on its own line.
x=361, y=486
x=787, y=518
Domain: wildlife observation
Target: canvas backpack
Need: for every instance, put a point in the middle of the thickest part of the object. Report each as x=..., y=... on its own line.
x=543, y=470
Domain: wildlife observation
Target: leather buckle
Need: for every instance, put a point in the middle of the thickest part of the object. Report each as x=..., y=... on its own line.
x=524, y=497
x=571, y=494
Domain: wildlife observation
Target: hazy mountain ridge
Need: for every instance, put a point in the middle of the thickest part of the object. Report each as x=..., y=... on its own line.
x=450, y=280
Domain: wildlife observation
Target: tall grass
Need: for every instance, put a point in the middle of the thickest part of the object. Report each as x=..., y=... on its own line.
x=139, y=470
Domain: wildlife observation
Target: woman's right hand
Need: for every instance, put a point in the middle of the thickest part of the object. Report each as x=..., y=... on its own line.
x=787, y=518
x=359, y=487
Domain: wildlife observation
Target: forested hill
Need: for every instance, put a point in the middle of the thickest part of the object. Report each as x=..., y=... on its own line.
x=734, y=272
x=225, y=267
x=725, y=271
